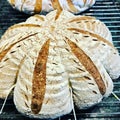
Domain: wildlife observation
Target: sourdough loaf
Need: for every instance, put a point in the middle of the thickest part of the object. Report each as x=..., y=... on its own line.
x=51, y=58
x=38, y=6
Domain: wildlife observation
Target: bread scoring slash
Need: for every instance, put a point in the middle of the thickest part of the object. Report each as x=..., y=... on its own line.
x=39, y=6
x=46, y=57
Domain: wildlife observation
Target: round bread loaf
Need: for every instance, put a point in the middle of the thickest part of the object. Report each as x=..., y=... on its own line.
x=37, y=6
x=51, y=58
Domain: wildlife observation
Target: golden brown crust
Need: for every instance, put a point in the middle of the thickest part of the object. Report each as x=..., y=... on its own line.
x=85, y=1
x=22, y=25
x=78, y=19
x=4, y=52
x=93, y=35
x=39, y=17
x=12, y=2
x=56, y=6
x=38, y=6
x=71, y=5
x=39, y=79
x=89, y=65
x=19, y=26
x=22, y=4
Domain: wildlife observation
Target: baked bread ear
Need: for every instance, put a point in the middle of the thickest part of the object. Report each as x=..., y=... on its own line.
x=49, y=56
x=38, y=6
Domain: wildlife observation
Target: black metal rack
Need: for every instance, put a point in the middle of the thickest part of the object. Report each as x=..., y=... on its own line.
x=107, y=11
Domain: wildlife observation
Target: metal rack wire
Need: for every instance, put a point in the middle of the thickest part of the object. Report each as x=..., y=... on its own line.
x=107, y=11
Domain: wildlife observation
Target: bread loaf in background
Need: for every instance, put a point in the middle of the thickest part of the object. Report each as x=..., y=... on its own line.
x=51, y=58
x=38, y=6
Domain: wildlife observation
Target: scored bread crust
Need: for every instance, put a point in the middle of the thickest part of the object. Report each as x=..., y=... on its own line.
x=38, y=6
x=93, y=25
x=47, y=58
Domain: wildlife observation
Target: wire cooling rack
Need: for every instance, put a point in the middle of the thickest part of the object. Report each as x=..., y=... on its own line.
x=108, y=11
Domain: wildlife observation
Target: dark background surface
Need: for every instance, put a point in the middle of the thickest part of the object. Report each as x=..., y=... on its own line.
x=106, y=11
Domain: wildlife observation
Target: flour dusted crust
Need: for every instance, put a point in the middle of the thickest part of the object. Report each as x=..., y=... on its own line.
x=91, y=24
x=46, y=57
x=38, y=6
